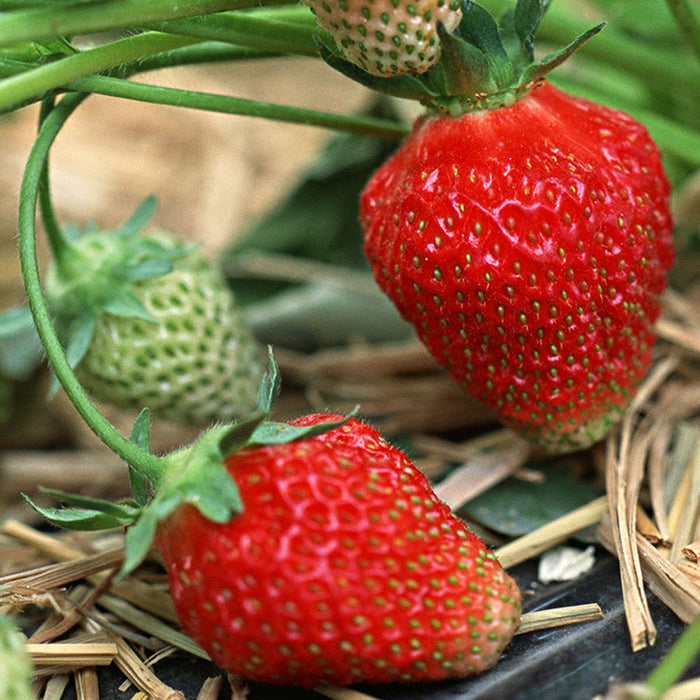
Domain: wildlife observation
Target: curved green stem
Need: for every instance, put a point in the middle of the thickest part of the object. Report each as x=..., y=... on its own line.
x=57, y=241
x=38, y=81
x=235, y=105
x=688, y=22
x=40, y=23
x=149, y=465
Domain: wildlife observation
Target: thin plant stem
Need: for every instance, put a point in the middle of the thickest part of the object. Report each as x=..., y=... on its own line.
x=286, y=30
x=243, y=107
x=148, y=465
x=36, y=24
x=688, y=22
x=38, y=81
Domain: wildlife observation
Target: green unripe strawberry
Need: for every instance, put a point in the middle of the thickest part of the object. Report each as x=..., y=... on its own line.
x=153, y=324
x=387, y=37
x=15, y=665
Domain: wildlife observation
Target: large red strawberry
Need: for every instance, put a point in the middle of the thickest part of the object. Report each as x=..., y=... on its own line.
x=525, y=233
x=343, y=567
x=528, y=246
x=311, y=552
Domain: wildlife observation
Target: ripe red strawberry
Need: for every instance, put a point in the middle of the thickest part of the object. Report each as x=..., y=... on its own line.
x=387, y=37
x=528, y=246
x=343, y=567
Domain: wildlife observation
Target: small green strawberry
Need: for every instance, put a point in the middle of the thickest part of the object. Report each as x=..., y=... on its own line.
x=153, y=324
x=15, y=665
x=387, y=37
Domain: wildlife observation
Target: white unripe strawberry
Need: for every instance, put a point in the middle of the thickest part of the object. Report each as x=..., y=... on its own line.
x=387, y=37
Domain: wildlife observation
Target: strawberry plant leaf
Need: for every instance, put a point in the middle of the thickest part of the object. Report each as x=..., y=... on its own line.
x=145, y=270
x=238, y=435
x=549, y=63
x=138, y=541
x=270, y=386
x=82, y=331
x=21, y=350
x=480, y=29
x=125, y=304
x=526, y=19
x=141, y=437
x=282, y=433
x=142, y=215
x=464, y=69
x=516, y=506
x=83, y=518
x=121, y=510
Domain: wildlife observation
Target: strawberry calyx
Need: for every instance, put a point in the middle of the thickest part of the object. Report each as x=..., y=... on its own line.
x=94, y=271
x=194, y=475
x=484, y=63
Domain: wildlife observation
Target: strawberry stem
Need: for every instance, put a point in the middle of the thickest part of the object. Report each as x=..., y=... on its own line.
x=226, y=104
x=19, y=88
x=287, y=30
x=150, y=466
x=47, y=21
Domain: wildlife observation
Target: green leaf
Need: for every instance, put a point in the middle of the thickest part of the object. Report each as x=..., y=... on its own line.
x=515, y=506
x=238, y=435
x=141, y=437
x=80, y=336
x=82, y=331
x=270, y=386
x=480, y=29
x=283, y=433
x=126, y=305
x=463, y=69
x=145, y=270
x=527, y=17
x=139, y=538
x=549, y=63
x=141, y=216
x=84, y=518
x=21, y=350
x=124, y=511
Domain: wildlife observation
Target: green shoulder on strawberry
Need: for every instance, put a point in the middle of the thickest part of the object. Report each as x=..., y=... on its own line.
x=525, y=233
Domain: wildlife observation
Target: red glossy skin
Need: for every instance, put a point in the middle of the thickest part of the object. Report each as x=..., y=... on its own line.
x=528, y=246
x=343, y=567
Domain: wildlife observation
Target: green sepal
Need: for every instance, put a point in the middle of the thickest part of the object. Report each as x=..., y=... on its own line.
x=125, y=305
x=269, y=433
x=270, y=386
x=21, y=350
x=79, y=338
x=238, y=435
x=463, y=69
x=145, y=270
x=549, y=63
x=86, y=513
x=479, y=28
x=140, y=435
x=142, y=215
x=527, y=16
